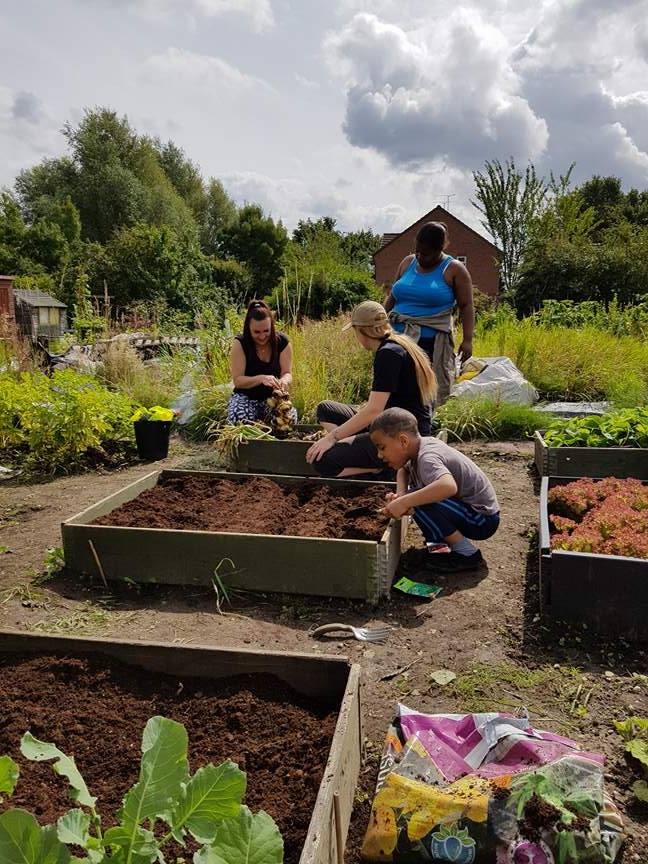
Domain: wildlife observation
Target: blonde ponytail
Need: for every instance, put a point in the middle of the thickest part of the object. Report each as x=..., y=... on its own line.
x=425, y=377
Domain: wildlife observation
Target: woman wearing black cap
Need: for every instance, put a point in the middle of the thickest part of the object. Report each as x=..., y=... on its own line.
x=402, y=378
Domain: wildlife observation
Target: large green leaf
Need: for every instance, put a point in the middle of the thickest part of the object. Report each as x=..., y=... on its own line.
x=638, y=748
x=41, y=751
x=163, y=769
x=133, y=845
x=245, y=839
x=640, y=789
x=212, y=794
x=74, y=828
x=9, y=772
x=23, y=841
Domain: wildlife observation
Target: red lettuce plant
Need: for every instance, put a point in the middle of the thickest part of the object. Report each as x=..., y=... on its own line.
x=603, y=516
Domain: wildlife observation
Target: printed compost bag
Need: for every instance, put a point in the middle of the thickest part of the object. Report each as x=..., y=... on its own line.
x=488, y=788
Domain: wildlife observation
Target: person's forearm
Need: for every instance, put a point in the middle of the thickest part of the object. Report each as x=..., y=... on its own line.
x=467, y=320
x=246, y=382
x=444, y=487
x=389, y=302
x=402, y=479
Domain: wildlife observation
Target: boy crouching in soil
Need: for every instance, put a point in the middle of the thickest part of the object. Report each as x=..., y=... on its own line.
x=451, y=498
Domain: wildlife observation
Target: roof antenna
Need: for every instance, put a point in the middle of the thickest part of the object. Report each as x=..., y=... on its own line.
x=446, y=199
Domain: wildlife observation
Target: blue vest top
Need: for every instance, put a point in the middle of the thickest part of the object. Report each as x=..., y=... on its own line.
x=423, y=294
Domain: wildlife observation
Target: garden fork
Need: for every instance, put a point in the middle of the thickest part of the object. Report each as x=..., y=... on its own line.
x=362, y=634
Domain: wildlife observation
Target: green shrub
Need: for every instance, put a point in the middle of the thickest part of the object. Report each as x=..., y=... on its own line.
x=613, y=318
x=51, y=424
x=322, y=293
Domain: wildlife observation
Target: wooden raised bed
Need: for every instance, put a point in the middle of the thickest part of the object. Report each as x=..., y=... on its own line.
x=267, y=456
x=608, y=593
x=355, y=569
x=324, y=678
x=273, y=456
x=590, y=461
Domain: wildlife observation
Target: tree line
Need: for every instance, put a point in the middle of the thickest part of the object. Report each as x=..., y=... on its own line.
x=132, y=216
x=564, y=242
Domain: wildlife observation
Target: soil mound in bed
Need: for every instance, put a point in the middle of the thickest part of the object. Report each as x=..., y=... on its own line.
x=255, y=506
x=95, y=710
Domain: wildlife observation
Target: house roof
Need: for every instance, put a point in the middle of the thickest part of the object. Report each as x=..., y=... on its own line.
x=37, y=298
x=387, y=239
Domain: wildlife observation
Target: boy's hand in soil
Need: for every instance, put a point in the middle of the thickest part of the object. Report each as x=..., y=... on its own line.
x=396, y=506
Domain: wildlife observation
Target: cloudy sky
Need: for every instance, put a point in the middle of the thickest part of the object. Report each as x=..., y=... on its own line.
x=368, y=110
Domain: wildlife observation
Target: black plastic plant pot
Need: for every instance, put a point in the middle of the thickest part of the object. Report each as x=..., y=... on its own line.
x=152, y=439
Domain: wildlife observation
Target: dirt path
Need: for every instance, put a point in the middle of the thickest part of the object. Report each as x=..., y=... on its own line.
x=483, y=628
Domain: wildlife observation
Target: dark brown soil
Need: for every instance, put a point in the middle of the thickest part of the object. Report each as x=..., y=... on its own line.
x=255, y=506
x=538, y=816
x=95, y=711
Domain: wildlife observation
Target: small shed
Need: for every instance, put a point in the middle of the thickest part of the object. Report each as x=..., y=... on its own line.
x=39, y=315
x=7, y=306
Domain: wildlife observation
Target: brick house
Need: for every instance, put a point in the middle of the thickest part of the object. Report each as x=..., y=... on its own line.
x=478, y=254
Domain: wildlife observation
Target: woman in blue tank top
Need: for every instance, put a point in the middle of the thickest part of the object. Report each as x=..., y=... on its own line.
x=429, y=286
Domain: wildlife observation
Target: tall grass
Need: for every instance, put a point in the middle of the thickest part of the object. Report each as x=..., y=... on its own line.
x=489, y=419
x=328, y=364
x=572, y=364
x=146, y=384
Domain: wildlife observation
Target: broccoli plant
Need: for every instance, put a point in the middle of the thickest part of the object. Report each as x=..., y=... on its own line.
x=166, y=803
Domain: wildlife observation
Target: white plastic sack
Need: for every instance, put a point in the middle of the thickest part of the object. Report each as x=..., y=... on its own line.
x=500, y=380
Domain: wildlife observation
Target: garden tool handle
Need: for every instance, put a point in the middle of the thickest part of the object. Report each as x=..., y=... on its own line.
x=329, y=628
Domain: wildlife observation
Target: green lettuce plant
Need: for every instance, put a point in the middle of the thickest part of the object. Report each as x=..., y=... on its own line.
x=634, y=731
x=166, y=803
x=627, y=428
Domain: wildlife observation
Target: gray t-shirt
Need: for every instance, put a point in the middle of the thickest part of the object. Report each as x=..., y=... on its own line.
x=436, y=459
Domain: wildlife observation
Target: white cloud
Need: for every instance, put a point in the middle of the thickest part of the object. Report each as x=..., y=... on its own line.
x=202, y=70
x=571, y=65
x=306, y=82
x=448, y=92
x=258, y=12
x=27, y=133
x=292, y=199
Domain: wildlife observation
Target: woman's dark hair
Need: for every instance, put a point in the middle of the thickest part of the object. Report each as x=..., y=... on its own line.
x=433, y=236
x=259, y=311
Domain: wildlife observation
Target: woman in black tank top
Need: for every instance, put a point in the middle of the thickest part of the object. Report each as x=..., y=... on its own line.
x=260, y=362
x=402, y=378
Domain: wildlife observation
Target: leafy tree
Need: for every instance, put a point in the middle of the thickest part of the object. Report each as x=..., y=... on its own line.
x=217, y=218
x=582, y=269
x=508, y=201
x=184, y=176
x=604, y=194
x=145, y=262
x=50, y=180
x=309, y=231
x=29, y=249
x=359, y=247
x=259, y=242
